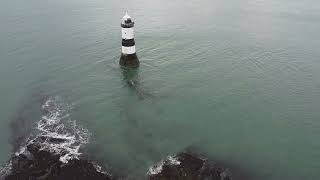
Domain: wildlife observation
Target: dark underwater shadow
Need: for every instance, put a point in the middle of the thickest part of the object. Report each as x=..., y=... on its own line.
x=133, y=80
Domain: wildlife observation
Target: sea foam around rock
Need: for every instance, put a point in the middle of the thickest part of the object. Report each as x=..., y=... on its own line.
x=53, y=149
x=57, y=133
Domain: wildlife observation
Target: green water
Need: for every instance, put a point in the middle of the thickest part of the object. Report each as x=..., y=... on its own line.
x=239, y=80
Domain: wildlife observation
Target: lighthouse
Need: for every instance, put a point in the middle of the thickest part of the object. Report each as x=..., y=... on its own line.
x=128, y=51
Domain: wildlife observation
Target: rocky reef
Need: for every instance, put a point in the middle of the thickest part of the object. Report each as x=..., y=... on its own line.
x=35, y=163
x=188, y=166
x=38, y=164
x=54, y=151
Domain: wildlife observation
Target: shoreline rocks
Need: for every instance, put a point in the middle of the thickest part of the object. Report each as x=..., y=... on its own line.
x=36, y=163
x=54, y=151
x=187, y=166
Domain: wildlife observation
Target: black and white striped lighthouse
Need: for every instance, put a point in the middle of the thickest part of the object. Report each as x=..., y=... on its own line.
x=128, y=56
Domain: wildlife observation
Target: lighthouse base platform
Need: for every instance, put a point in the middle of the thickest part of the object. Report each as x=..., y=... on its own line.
x=129, y=60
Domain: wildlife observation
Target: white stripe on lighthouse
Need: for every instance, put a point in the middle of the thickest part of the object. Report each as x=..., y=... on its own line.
x=127, y=33
x=128, y=50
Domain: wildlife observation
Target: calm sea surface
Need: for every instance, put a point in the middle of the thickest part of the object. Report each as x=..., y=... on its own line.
x=238, y=80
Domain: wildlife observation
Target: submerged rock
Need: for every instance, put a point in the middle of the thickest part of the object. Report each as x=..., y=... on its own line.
x=187, y=166
x=36, y=163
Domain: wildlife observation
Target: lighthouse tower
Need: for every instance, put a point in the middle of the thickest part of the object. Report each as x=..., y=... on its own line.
x=128, y=56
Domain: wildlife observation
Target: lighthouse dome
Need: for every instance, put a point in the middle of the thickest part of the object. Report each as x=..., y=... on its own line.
x=127, y=21
x=126, y=16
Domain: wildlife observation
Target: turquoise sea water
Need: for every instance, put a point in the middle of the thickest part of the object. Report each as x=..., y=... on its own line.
x=239, y=80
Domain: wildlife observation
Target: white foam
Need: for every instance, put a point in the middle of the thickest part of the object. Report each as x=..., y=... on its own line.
x=173, y=160
x=158, y=167
x=5, y=170
x=57, y=132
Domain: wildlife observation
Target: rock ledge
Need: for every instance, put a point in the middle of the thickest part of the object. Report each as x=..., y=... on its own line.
x=39, y=164
x=187, y=166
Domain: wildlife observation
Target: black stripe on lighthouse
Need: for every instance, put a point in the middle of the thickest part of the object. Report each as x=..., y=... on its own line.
x=128, y=42
x=129, y=25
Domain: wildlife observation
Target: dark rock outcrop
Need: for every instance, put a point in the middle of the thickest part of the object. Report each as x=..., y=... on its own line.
x=129, y=60
x=37, y=164
x=187, y=166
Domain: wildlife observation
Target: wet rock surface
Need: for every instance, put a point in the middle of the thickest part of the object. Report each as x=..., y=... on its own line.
x=188, y=166
x=129, y=60
x=38, y=164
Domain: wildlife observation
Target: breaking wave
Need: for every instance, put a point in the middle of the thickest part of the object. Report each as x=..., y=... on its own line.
x=156, y=169
x=57, y=133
